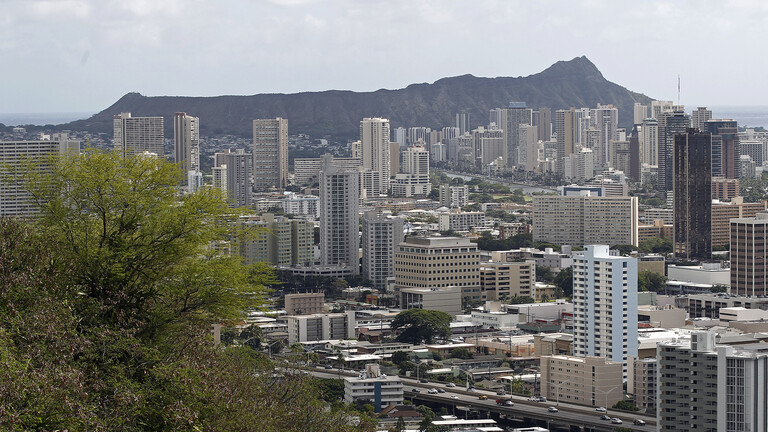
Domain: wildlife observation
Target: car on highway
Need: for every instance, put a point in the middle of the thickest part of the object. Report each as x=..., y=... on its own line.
x=424, y=380
x=432, y=391
x=501, y=392
x=616, y=420
x=482, y=397
x=415, y=390
x=605, y=417
x=601, y=409
x=639, y=422
x=450, y=385
x=542, y=399
x=552, y=409
x=533, y=399
x=505, y=402
x=440, y=391
x=454, y=397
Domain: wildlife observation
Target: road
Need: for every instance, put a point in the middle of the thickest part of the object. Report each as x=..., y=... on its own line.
x=568, y=414
x=527, y=188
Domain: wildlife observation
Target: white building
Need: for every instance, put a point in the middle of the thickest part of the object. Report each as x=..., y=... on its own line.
x=604, y=304
x=381, y=234
x=374, y=148
x=318, y=327
x=445, y=299
x=372, y=385
x=186, y=142
x=460, y=221
x=707, y=273
x=454, y=196
x=339, y=225
x=711, y=388
x=307, y=170
x=136, y=135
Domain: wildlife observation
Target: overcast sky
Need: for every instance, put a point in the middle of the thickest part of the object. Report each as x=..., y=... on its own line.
x=82, y=55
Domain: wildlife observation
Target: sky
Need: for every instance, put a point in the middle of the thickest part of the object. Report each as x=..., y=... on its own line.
x=83, y=55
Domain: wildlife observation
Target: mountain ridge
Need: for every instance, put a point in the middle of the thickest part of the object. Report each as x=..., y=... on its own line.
x=337, y=113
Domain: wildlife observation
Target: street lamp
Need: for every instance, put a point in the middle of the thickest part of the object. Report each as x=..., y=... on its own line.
x=559, y=387
x=605, y=392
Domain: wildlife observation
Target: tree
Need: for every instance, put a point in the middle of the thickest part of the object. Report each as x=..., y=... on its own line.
x=719, y=288
x=106, y=305
x=564, y=281
x=399, y=357
x=544, y=274
x=625, y=249
x=656, y=245
x=625, y=406
x=651, y=281
x=461, y=353
x=421, y=325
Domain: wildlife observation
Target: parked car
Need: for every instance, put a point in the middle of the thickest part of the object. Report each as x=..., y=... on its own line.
x=639, y=422
x=601, y=409
x=552, y=409
x=616, y=420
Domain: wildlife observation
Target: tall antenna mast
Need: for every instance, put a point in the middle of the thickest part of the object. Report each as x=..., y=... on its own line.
x=678, y=89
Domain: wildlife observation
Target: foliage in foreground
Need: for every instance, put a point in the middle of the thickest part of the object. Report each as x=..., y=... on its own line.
x=106, y=303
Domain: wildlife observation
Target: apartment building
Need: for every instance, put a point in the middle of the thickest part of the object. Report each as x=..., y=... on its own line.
x=304, y=303
x=500, y=280
x=318, y=327
x=592, y=381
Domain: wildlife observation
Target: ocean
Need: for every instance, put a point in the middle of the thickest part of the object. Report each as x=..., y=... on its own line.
x=41, y=119
x=749, y=116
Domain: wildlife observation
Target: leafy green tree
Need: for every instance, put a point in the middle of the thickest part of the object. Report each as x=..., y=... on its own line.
x=421, y=325
x=625, y=405
x=719, y=288
x=399, y=357
x=656, y=245
x=544, y=274
x=624, y=249
x=564, y=281
x=461, y=353
x=651, y=281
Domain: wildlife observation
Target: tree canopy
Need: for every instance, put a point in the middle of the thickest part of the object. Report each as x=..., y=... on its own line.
x=420, y=325
x=106, y=305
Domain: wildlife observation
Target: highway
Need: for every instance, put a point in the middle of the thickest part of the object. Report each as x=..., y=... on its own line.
x=568, y=414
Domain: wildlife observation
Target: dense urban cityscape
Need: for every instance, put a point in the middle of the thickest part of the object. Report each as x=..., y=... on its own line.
x=540, y=269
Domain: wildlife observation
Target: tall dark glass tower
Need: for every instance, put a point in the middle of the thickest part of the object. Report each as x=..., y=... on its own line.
x=673, y=124
x=692, y=176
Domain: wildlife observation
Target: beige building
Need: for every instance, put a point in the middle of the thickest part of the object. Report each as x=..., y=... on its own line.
x=304, y=303
x=438, y=262
x=581, y=220
x=549, y=344
x=270, y=153
x=722, y=213
x=460, y=221
x=592, y=381
x=641, y=382
x=136, y=135
x=276, y=239
x=500, y=280
x=657, y=229
x=444, y=299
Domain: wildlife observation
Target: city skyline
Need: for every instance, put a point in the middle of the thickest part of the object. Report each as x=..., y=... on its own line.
x=100, y=51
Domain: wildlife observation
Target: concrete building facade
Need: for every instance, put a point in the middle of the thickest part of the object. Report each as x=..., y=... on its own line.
x=270, y=153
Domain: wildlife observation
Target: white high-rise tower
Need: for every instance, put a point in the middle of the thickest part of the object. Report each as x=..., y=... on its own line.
x=374, y=142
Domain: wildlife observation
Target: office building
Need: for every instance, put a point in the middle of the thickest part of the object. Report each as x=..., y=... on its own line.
x=512, y=117
x=711, y=388
x=374, y=145
x=723, y=212
x=186, y=142
x=565, y=137
x=307, y=170
x=700, y=117
x=592, y=381
x=672, y=124
x=339, y=222
x=725, y=147
x=320, y=327
x=381, y=235
x=581, y=220
x=693, y=195
x=304, y=303
x=454, y=196
x=724, y=189
x=238, y=178
x=504, y=280
x=749, y=255
x=14, y=199
x=374, y=387
x=438, y=262
x=270, y=154
x=604, y=304
x=136, y=135
x=446, y=299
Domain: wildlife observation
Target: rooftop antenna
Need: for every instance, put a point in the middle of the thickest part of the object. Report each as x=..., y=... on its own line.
x=678, y=89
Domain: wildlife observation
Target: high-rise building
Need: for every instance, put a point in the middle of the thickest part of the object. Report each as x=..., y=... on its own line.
x=604, y=305
x=186, y=142
x=649, y=146
x=692, y=174
x=462, y=122
x=401, y=136
x=454, y=196
x=749, y=255
x=238, y=178
x=723, y=212
x=276, y=239
x=374, y=149
x=544, y=125
x=700, y=117
x=513, y=116
x=381, y=235
x=565, y=139
x=414, y=180
x=604, y=118
x=452, y=261
x=581, y=220
x=672, y=124
x=528, y=149
x=14, y=199
x=136, y=135
x=339, y=226
x=640, y=113
x=725, y=147
x=711, y=388
x=270, y=153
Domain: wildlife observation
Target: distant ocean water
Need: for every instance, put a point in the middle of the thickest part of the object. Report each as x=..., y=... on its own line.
x=41, y=119
x=749, y=116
